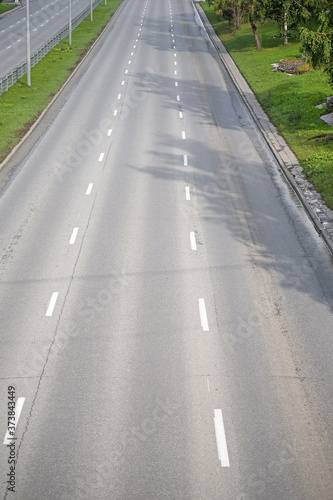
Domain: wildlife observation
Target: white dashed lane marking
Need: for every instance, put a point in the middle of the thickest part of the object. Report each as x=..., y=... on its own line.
x=52, y=304
x=203, y=315
x=187, y=193
x=192, y=241
x=222, y=449
x=18, y=408
x=89, y=189
x=74, y=235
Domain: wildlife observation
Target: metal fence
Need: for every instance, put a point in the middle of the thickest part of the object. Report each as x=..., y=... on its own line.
x=19, y=71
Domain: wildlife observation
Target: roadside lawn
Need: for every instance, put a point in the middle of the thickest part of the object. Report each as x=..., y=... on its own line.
x=20, y=106
x=5, y=7
x=288, y=100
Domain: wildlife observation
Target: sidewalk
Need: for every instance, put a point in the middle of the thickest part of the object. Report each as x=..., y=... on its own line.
x=321, y=216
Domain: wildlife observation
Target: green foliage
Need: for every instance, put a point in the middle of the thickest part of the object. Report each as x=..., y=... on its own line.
x=318, y=45
x=5, y=7
x=319, y=170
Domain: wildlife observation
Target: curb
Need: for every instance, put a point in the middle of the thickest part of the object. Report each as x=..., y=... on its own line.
x=320, y=215
x=43, y=113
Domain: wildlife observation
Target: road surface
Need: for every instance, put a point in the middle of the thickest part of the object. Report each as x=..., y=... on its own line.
x=166, y=305
x=46, y=19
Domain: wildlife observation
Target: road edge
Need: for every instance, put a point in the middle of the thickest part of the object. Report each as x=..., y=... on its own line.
x=16, y=148
x=320, y=215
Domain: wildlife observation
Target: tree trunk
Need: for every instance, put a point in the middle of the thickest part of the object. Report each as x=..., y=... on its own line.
x=238, y=20
x=285, y=41
x=255, y=32
x=236, y=17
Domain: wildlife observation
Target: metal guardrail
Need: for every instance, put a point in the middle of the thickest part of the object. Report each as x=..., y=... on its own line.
x=19, y=71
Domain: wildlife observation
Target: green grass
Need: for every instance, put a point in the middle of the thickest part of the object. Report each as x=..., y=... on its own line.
x=5, y=7
x=21, y=105
x=288, y=100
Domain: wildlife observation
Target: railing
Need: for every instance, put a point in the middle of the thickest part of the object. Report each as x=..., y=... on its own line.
x=19, y=71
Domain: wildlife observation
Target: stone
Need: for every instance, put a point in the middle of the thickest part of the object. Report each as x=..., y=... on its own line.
x=328, y=119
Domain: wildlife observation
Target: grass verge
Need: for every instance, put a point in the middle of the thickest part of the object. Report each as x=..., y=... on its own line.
x=289, y=101
x=20, y=106
x=5, y=7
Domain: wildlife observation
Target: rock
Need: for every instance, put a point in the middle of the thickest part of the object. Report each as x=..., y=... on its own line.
x=328, y=119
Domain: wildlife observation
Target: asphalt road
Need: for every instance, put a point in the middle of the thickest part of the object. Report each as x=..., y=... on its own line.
x=166, y=305
x=46, y=19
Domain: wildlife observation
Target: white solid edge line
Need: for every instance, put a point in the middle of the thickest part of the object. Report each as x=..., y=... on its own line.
x=185, y=160
x=187, y=193
x=89, y=189
x=52, y=304
x=221, y=441
x=203, y=315
x=74, y=235
x=101, y=156
x=18, y=408
x=192, y=240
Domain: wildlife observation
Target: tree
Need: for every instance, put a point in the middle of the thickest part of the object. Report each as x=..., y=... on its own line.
x=231, y=8
x=237, y=9
x=255, y=14
x=290, y=13
x=318, y=45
